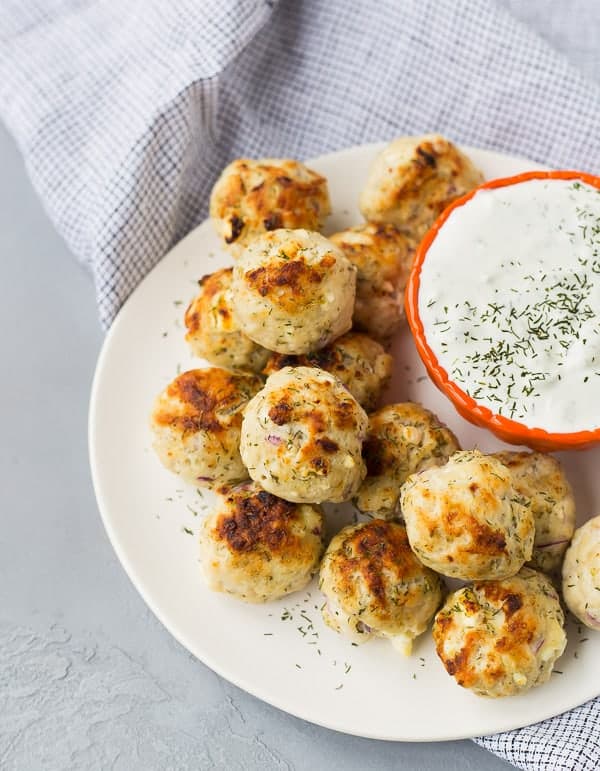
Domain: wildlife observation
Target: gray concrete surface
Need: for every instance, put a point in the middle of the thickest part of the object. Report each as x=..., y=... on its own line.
x=88, y=678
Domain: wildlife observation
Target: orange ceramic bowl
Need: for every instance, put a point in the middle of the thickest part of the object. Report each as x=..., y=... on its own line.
x=504, y=428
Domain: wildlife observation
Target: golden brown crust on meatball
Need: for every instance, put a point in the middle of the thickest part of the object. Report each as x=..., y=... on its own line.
x=358, y=362
x=197, y=421
x=317, y=420
x=541, y=479
x=466, y=520
x=414, y=179
x=259, y=519
x=284, y=283
x=212, y=285
x=498, y=638
x=383, y=256
x=213, y=331
x=259, y=547
x=253, y=197
x=293, y=291
x=202, y=396
x=375, y=585
x=402, y=439
x=302, y=436
x=370, y=551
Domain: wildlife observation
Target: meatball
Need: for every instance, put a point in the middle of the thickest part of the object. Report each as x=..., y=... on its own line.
x=197, y=421
x=302, y=437
x=413, y=180
x=499, y=638
x=293, y=291
x=466, y=520
x=376, y=587
x=213, y=331
x=252, y=197
x=540, y=479
x=358, y=362
x=581, y=574
x=402, y=440
x=383, y=257
x=259, y=547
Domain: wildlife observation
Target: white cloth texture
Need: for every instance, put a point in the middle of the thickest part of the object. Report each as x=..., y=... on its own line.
x=126, y=112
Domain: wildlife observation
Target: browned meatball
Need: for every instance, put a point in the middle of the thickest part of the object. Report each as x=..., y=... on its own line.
x=414, y=179
x=213, y=331
x=500, y=638
x=402, y=440
x=252, y=197
x=383, y=256
x=358, y=362
x=376, y=587
x=197, y=421
x=259, y=547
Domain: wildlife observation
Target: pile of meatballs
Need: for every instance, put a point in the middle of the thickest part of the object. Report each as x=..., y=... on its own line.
x=286, y=419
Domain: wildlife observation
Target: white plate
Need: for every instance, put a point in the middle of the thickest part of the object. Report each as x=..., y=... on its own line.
x=281, y=652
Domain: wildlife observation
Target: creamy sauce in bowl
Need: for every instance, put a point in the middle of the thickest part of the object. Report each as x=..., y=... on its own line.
x=509, y=299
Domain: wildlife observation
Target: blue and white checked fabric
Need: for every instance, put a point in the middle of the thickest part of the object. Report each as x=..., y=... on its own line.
x=126, y=112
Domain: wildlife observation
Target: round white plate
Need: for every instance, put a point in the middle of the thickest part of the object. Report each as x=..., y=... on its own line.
x=281, y=652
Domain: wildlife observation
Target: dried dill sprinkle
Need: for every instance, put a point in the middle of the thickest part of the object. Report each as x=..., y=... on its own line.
x=503, y=368
x=513, y=332
x=187, y=530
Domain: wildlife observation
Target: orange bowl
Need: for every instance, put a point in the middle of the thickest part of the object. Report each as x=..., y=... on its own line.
x=508, y=430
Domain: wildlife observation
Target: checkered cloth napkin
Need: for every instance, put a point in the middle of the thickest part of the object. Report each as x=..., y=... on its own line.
x=126, y=112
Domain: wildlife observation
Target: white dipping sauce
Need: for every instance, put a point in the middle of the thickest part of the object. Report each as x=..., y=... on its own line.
x=509, y=298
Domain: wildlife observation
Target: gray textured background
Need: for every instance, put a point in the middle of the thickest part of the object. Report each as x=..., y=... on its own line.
x=88, y=677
